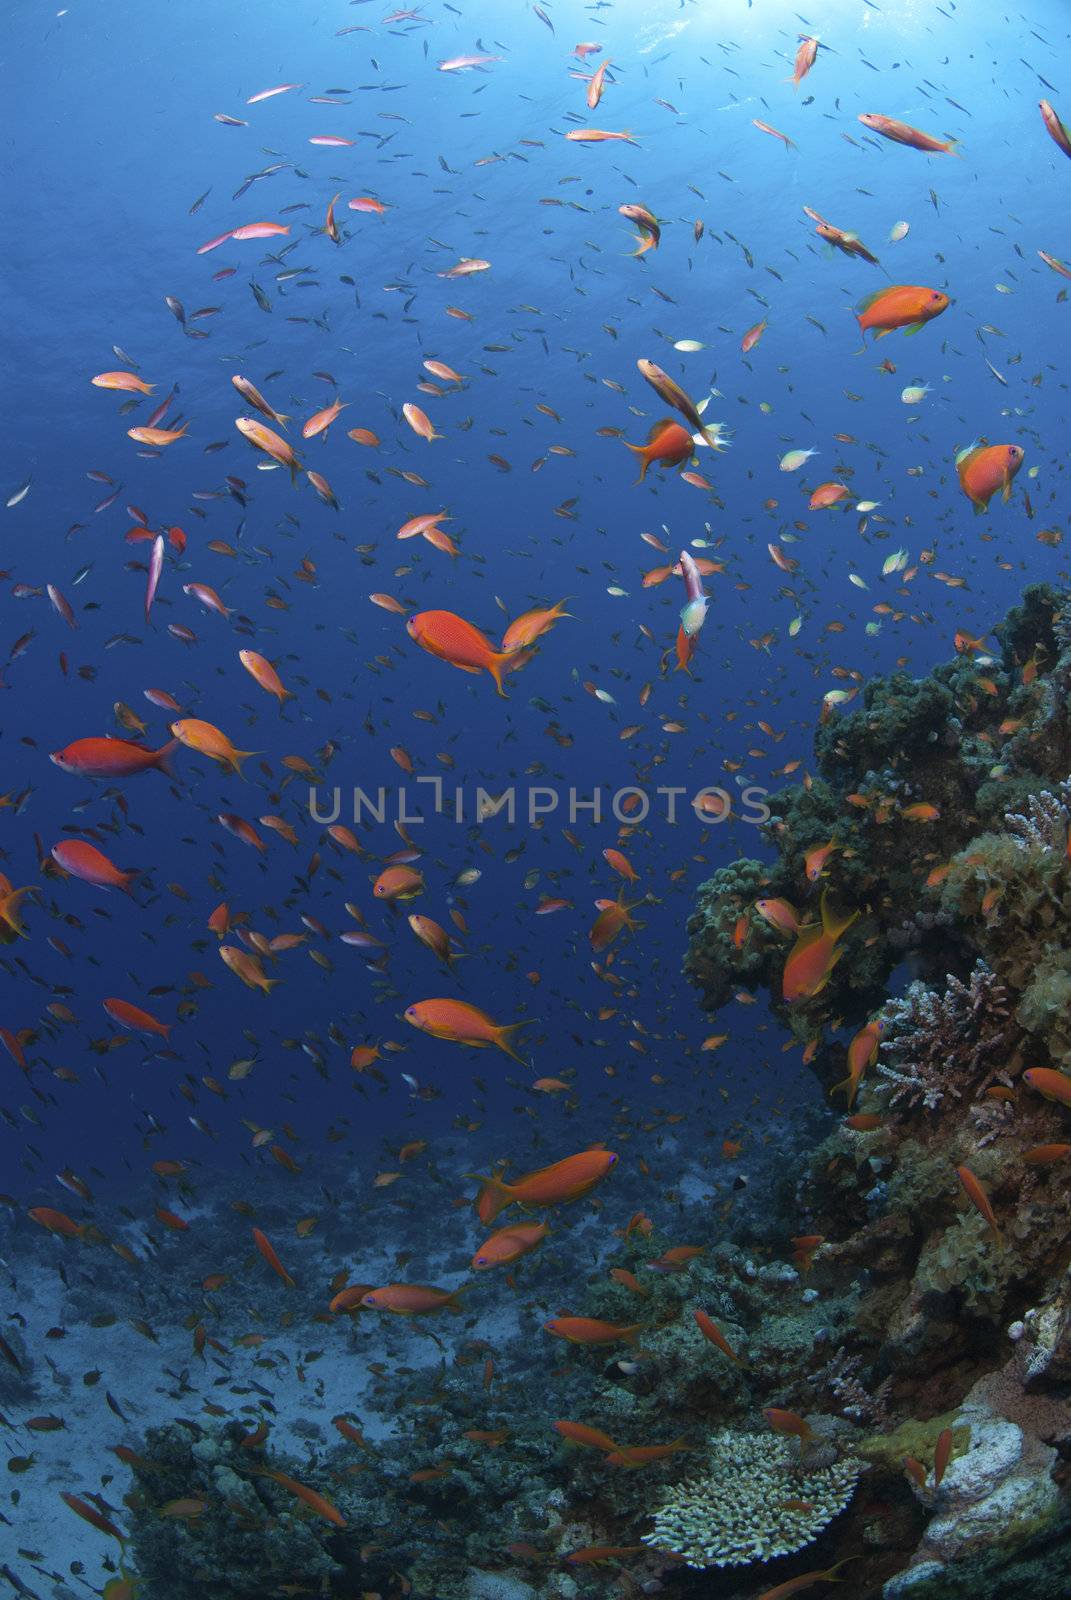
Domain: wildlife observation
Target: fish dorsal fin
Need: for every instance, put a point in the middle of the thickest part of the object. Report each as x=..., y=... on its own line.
x=871, y=299
x=659, y=427
x=966, y=454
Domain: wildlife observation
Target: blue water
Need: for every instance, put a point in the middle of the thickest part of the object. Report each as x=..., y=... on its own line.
x=110, y=141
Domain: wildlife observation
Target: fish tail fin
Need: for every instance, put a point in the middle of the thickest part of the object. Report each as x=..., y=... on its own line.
x=269, y=984
x=502, y=1039
x=10, y=907
x=496, y=666
x=282, y=418
x=494, y=1196
x=952, y=148
x=129, y=879
x=239, y=757
x=165, y=758
x=645, y=461
x=835, y=925
x=845, y=1084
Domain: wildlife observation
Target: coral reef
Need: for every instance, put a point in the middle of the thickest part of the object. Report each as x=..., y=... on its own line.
x=940, y=810
x=755, y=1500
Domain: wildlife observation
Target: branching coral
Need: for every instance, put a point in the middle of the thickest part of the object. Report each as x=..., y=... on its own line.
x=756, y=1500
x=849, y=1396
x=1045, y=822
x=944, y=1043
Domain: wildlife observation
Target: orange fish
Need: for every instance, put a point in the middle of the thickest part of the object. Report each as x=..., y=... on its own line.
x=510, y=1244
x=272, y=444
x=590, y=1438
x=791, y=1586
x=398, y=883
x=942, y=1455
x=1054, y=127
x=764, y=127
x=620, y=863
x=127, y=381
x=613, y=917
x=311, y=1497
x=592, y=1331
x=805, y=58
x=320, y=421
x=265, y=674
x=752, y=336
x=430, y=933
x=591, y=1554
x=1053, y=1085
x=452, y=639
x=412, y=1299
x=597, y=136
x=862, y=1053
x=112, y=758
x=462, y=1023
x=814, y=862
x=814, y=955
x=667, y=442
x=983, y=469
x=557, y=1184
x=788, y=1422
x=157, y=437
x=979, y=1200
x=420, y=422
x=264, y=1245
x=1042, y=1155
x=904, y=133
x=710, y=1330
x=133, y=1017
x=829, y=494
x=526, y=629
x=208, y=740
x=56, y=1222
x=83, y=860
x=903, y=305
x=780, y=914
x=641, y=1455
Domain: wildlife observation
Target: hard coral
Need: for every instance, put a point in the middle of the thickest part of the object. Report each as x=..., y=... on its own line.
x=944, y=1043
x=756, y=1500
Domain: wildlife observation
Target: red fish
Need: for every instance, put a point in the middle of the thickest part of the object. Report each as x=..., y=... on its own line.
x=452, y=639
x=112, y=758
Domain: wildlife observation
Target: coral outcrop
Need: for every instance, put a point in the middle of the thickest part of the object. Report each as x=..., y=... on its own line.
x=755, y=1499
